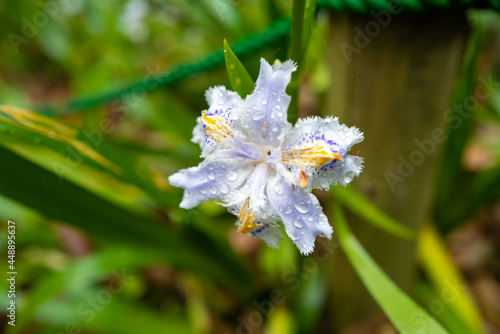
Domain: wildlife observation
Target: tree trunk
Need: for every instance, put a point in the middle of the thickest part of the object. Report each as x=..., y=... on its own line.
x=395, y=84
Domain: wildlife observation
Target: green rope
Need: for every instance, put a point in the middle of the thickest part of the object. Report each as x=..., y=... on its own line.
x=256, y=42
x=251, y=44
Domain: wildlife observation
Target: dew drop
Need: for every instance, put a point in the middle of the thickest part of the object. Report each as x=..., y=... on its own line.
x=310, y=218
x=232, y=176
x=302, y=207
x=288, y=210
x=213, y=190
x=211, y=176
x=280, y=114
x=264, y=101
x=257, y=115
x=348, y=176
x=224, y=188
x=274, y=127
x=203, y=190
x=298, y=224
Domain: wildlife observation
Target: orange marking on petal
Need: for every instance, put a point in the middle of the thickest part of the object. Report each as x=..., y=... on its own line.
x=303, y=180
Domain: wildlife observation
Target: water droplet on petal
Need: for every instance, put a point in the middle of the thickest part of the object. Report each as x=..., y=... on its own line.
x=257, y=115
x=301, y=207
x=224, y=188
x=298, y=223
x=211, y=176
x=232, y=176
x=264, y=101
x=203, y=190
x=213, y=190
x=274, y=127
x=280, y=114
x=310, y=218
x=348, y=176
x=288, y=210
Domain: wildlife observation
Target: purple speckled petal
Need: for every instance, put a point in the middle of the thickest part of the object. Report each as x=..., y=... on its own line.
x=318, y=147
x=217, y=130
x=210, y=180
x=300, y=212
x=271, y=234
x=263, y=114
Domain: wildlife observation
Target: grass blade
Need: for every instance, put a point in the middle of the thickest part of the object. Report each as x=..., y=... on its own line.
x=64, y=201
x=443, y=274
x=363, y=208
x=300, y=31
x=80, y=147
x=405, y=314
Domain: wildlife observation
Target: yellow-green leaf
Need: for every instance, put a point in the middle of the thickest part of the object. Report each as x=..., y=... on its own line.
x=405, y=314
x=447, y=279
x=241, y=82
x=363, y=208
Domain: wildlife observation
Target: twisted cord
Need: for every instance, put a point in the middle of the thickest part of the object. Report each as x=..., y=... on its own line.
x=251, y=44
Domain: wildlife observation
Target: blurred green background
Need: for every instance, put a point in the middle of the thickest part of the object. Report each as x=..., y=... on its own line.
x=101, y=245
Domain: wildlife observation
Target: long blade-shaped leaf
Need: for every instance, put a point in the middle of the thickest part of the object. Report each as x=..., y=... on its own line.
x=300, y=31
x=405, y=314
x=27, y=183
x=445, y=276
x=450, y=176
x=362, y=207
x=80, y=147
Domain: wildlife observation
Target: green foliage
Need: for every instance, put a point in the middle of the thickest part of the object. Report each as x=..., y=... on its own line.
x=240, y=80
x=365, y=209
x=443, y=274
x=404, y=313
x=119, y=101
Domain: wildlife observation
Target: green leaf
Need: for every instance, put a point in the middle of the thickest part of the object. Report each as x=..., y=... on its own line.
x=64, y=201
x=87, y=147
x=363, y=208
x=451, y=179
x=120, y=316
x=430, y=298
x=309, y=12
x=445, y=276
x=405, y=314
x=300, y=32
x=241, y=82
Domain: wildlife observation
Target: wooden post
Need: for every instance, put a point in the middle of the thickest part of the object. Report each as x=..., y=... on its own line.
x=395, y=84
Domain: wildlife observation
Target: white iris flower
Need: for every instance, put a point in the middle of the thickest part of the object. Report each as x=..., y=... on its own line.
x=263, y=169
